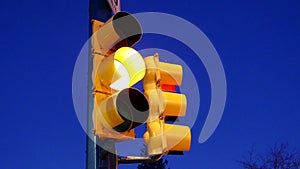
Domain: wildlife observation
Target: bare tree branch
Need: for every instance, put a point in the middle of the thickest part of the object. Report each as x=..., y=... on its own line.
x=277, y=157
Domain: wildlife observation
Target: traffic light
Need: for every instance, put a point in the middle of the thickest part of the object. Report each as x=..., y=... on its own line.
x=161, y=137
x=118, y=108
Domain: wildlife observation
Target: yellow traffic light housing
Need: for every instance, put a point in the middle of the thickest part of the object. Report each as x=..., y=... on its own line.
x=161, y=137
x=121, y=30
x=123, y=110
x=118, y=109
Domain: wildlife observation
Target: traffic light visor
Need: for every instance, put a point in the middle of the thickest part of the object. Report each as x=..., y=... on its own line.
x=124, y=110
x=122, y=30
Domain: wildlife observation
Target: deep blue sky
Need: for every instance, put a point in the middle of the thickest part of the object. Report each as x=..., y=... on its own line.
x=257, y=42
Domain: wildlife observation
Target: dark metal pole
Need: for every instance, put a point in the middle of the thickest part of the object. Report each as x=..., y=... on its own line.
x=99, y=10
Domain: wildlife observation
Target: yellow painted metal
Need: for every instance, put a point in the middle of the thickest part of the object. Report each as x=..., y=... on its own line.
x=178, y=137
x=106, y=37
x=101, y=126
x=123, y=29
x=98, y=127
x=156, y=106
x=163, y=103
x=109, y=113
x=107, y=72
x=161, y=137
x=106, y=40
x=96, y=26
x=170, y=73
x=152, y=73
x=154, y=137
x=152, y=88
x=174, y=104
x=121, y=111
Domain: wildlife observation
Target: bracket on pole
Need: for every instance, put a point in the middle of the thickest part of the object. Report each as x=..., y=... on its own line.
x=115, y=5
x=138, y=159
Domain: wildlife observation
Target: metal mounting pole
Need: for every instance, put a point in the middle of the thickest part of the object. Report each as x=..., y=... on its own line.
x=96, y=157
